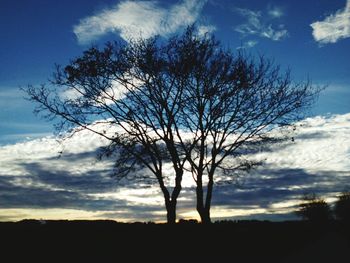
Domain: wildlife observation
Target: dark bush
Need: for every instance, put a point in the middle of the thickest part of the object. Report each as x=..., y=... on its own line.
x=314, y=209
x=188, y=221
x=342, y=207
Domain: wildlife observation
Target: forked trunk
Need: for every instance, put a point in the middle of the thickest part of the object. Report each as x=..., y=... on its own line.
x=171, y=212
x=205, y=216
x=170, y=203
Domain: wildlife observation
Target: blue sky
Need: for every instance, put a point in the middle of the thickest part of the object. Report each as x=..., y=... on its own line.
x=310, y=37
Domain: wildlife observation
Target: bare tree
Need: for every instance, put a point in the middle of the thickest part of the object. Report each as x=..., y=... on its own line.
x=133, y=87
x=185, y=100
x=232, y=103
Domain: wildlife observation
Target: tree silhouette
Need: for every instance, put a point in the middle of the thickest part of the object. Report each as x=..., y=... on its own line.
x=185, y=100
x=134, y=87
x=233, y=102
x=342, y=207
x=314, y=208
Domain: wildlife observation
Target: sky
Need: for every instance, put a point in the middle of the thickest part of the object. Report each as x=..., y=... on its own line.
x=312, y=38
x=309, y=37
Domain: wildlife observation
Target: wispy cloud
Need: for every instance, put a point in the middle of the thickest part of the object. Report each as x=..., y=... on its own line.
x=274, y=34
x=260, y=24
x=334, y=27
x=275, y=11
x=134, y=19
x=248, y=44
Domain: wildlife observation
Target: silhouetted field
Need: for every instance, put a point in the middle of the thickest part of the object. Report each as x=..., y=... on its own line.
x=226, y=241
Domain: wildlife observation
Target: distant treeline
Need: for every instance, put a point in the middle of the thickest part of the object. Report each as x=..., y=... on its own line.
x=222, y=241
x=316, y=209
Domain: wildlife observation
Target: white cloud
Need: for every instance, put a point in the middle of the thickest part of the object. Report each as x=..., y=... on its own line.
x=333, y=27
x=275, y=12
x=128, y=18
x=251, y=43
x=115, y=92
x=183, y=14
x=134, y=19
x=75, y=182
x=206, y=29
x=70, y=94
x=275, y=35
x=248, y=44
x=253, y=24
x=321, y=144
x=259, y=24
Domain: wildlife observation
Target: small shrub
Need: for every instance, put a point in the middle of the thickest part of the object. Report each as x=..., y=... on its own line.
x=314, y=209
x=188, y=221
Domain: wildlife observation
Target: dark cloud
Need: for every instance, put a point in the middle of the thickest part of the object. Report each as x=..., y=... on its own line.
x=260, y=189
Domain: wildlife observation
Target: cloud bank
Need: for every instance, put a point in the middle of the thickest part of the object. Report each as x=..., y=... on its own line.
x=46, y=179
x=334, y=27
x=135, y=19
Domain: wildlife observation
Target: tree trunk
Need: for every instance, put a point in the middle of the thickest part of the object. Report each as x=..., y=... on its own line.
x=199, y=197
x=208, y=199
x=205, y=216
x=204, y=213
x=170, y=203
x=204, y=209
x=171, y=211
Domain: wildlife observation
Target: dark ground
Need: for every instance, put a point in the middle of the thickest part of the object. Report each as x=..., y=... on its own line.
x=108, y=241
